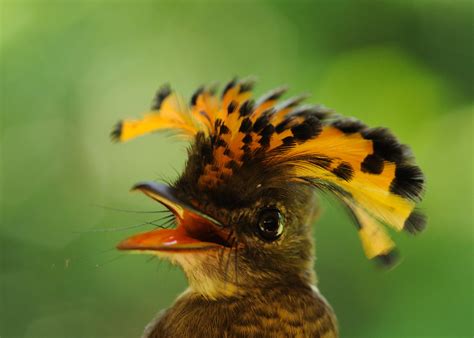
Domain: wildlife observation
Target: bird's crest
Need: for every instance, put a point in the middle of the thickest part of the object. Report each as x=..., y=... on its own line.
x=366, y=168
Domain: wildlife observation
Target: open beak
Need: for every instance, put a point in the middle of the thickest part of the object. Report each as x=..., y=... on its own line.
x=194, y=230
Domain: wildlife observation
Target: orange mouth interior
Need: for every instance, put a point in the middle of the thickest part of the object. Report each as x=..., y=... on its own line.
x=194, y=231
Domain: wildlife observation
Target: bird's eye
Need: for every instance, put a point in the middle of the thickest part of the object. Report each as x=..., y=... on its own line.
x=270, y=224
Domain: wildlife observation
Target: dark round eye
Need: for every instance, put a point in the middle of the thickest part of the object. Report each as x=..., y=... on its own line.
x=270, y=224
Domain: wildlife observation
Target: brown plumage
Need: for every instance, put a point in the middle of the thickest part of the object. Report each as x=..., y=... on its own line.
x=244, y=206
x=281, y=311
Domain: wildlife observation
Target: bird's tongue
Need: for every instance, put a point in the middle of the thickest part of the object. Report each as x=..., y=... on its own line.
x=165, y=240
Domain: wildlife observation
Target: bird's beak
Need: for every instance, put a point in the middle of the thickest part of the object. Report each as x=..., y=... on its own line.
x=194, y=231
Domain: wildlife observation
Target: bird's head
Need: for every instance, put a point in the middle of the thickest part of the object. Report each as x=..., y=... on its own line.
x=244, y=205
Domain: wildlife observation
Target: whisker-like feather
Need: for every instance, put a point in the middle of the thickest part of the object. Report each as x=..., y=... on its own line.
x=129, y=211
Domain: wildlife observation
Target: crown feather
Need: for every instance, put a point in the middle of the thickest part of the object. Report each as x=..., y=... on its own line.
x=366, y=168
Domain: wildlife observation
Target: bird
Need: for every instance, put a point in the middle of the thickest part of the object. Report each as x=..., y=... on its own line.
x=243, y=207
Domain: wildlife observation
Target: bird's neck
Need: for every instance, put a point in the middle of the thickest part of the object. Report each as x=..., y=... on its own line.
x=218, y=290
x=213, y=288
x=216, y=287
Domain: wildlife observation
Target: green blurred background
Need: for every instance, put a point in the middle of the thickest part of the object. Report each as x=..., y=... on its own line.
x=70, y=70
